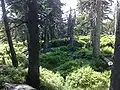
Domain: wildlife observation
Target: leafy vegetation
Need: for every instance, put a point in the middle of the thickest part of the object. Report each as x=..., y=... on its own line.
x=81, y=78
x=47, y=50
x=63, y=68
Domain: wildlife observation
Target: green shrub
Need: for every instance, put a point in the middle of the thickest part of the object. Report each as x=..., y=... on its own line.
x=59, y=42
x=84, y=41
x=84, y=38
x=51, y=80
x=84, y=53
x=21, y=59
x=67, y=48
x=78, y=79
x=108, y=50
x=86, y=78
x=99, y=65
x=72, y=48
x=20, y=53
x=4, y=54
x=11, y=75
x=69, y=66
x=52, y=60
x=63, y=48
x=107, y=41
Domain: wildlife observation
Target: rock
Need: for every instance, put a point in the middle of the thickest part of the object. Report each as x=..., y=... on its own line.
x=9, y=86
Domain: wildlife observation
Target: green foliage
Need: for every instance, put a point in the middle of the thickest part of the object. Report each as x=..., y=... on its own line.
x=63, y=48
x=53, y=59
x=108, y=50
x=20, y=53
x=82, y=27
x=59, y=42
x=107, y=41
x=99, y=65
x=64, y=68
x=107, y=45
x=84, y=53
x=51, y=80
x=11, y=75
x=67, y=48
x=84, y=41
x=84, y=38
x=63, y=42
x=59, y=56
x=86, y=78
x=65, y=61
x=79, y=79
x=109, y=27
x=4, y=54
x=71, y=65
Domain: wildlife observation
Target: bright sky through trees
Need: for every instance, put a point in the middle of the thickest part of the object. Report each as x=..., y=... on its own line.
x=73, y=5
x=68, y=4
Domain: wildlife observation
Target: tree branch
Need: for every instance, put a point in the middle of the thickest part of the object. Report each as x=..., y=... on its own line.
x=17, y=25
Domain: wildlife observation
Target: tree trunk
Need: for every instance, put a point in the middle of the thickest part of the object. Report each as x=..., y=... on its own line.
x=72, y=32
x=97, y=30
x=71, y=28
x=33, y=45
x=7, y=30
x=115, y=77
x=46, y=41
x=52, y=31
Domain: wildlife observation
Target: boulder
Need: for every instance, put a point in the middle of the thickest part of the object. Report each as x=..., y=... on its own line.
x=9, y=86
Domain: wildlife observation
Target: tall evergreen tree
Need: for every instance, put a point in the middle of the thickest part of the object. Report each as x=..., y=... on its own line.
x=33, y=45
x=71, y=25
x=51, y=26
x=115, y=77
x=97, y=30
x=7, y=30
x=97, y=10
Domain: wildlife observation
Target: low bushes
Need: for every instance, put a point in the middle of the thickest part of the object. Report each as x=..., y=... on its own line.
x=84, y=40
x=66, y=56
x=63, y=42
x=65, y=68
x=86, y=78
x=79, y=78
x=5, y=56
x=69, y=66
x=107, y=51
x=84, y=53
x=52, y=60
x=11, y=75
x=51, y=80
x=107, y=41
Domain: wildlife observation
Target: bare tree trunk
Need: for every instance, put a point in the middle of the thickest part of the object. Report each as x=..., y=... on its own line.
x=33, y=45
x=71, y=23
x=71, y=36
x=52, y=32
x=97, y=30
x=46, y=41
x=7, y=30
x=115, y=77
